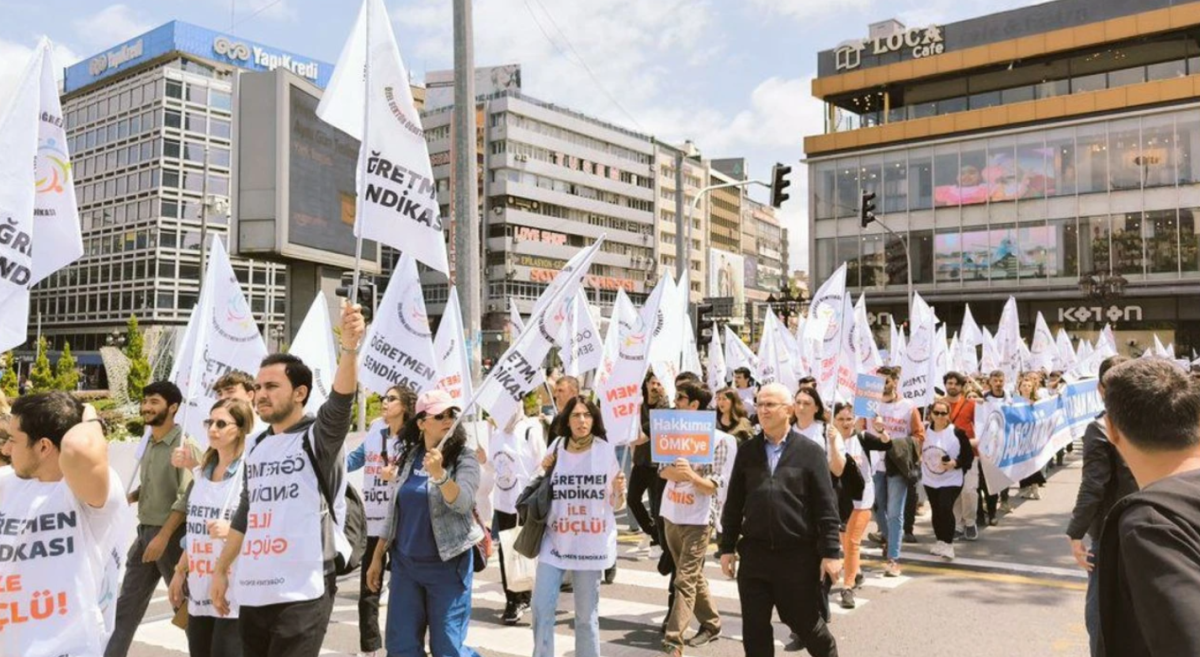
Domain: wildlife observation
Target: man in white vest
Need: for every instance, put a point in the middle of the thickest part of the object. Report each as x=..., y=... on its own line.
x=62, y=515
x=283, y=531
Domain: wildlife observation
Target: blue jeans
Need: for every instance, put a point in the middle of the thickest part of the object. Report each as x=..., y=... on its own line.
x=890, y=494
x=587, y=610
x=433, y=596
x=1091, y=605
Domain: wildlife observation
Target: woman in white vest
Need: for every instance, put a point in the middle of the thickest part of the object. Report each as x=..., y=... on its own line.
x=855, y=525
x=213, y=497
x=810, y=415
x=516, y=450
x=581, y=531
x=945, y=455
x=377, y=457
x=429, y=534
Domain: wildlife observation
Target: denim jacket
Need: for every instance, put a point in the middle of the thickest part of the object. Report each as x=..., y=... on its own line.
x=454, y=526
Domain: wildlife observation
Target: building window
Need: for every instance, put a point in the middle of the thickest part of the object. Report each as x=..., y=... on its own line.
x=947, y=255
x=1091, y=148
x=197, y=94
x=220, y=99
x=174, y=89
x=1189, y=241
x=976, y=254
x=1124, y=155
x=1095, y=245
x=1062, y=248
x=847, y=188
x=1127, y=243
x=1162, y=242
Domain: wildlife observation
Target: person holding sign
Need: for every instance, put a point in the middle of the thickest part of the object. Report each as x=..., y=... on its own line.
x=945, y=455
x=61, y=482
x=690, y=507
x=899, y=423
x=581, y=530
x=216, y=487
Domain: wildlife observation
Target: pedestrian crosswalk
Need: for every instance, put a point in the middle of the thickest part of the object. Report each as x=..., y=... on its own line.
x=632, y=611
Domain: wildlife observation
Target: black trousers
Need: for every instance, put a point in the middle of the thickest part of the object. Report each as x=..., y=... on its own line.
x=209, y=636
x=941, y=505
x=787, y=582
x=502, y=522
x=369, y=637
x=141, y=579
x=642, y=478
x=288, y=629
x=910, y=508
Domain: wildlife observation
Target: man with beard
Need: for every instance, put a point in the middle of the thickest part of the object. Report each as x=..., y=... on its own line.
x=286, y=580
x=161, y=512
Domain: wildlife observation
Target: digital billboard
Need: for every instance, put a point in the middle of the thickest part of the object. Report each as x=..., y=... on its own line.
x=321, y=186
x=726, y=278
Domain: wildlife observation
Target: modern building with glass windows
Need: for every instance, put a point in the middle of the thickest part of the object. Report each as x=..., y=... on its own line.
x=1050, y=152
x=140, y=118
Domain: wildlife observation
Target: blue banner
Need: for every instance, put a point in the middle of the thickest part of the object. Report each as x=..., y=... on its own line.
x=1081, y=403
x=1020, y=438
x=683, y=434
x=868, y=395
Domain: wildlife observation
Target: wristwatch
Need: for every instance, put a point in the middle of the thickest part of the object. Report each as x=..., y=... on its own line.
x=342, y=348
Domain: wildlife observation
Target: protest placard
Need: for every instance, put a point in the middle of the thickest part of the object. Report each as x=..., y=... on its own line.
x=682, y=434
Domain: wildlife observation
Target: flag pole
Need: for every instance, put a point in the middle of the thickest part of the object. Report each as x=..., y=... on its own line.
x=362, y=159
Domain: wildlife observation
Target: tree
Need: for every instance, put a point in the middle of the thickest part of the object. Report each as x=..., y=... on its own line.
x=8, y=382
x=66, y=376
x=41, y=377
x=139, y=366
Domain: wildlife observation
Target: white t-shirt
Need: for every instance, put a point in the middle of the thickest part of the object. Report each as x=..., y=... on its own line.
x=684, y=504
x=935, y=473
x=814, y=432
x=515, y=456
x=581, y=532
x=854, y=451
x=897, y=419
x=52, y=542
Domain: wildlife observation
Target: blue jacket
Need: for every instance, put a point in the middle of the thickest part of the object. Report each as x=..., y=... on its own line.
x=454, y=526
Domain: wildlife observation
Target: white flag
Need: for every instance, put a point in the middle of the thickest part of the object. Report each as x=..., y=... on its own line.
x=454, y=370
x=1043, y=349
x=667, y=349
x=866, y=353
x=829, y=305
x=917, y=365
x=773, y=364
x=941, y=359
x=56, y=216
x=398, y=350
x=18, y=146
x=1106, y=344
x=717, y=372
x=895, y=343
x=990, y=361
x=1064, y=354
x=624, y=319
x=514, y=318
x=738, y=355
x=621, y=395
x=582, y=350
x=1159, y=350
x=225, y=338
x=691, y=353
x=314, y=345
x=970, y=334
x=1009, y=345
x=519, y=369
x=398, y=206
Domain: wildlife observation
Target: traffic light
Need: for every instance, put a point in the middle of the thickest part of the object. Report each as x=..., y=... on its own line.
x=779, y=182
x=704, y=323
x=866, y=208
x=365, y=296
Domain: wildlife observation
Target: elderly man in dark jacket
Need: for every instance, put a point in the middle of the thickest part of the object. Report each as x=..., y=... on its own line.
x=1105, y=480
x=781, y=517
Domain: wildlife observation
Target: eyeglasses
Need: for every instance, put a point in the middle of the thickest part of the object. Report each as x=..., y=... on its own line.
x=770, y=406
x=391, y=399
x=940, y=413
x=448, y=414
x=220, y=424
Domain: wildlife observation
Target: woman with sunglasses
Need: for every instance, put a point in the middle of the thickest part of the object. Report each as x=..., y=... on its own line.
x=211, y=500
x=732, y=417
x=581, y=530
x=945, y=455
x=429, y=534
x=377, y=454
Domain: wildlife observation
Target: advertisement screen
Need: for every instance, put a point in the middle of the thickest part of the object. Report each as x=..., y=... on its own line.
x=1002, y=177
x=726, y=278
x=321, y=181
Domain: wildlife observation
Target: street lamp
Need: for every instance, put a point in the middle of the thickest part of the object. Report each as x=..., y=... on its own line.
x=276, y=331
x=115, y=339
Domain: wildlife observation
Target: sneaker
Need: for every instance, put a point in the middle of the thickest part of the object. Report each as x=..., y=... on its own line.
x=937, y=549
x=1006, y=506
x=959, y=534
x=610, y=575
x=876, y=537
x=705, y=636
x=992, y=522
x=847, y=599
x=513, y=612
x=892, y=569
x=1034, y=493
x=672, y=650
x=1026, y=493
x=971, y=533
x=948, y=552
x=910, y=538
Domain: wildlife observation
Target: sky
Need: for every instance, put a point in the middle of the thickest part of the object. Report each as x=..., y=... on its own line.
x=733, y=76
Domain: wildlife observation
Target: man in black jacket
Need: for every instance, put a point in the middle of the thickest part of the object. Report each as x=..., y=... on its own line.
x=782, y=507
x=1149, y=565
x=1105, y=479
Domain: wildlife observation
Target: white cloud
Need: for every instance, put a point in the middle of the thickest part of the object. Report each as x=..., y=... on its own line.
x=111, y=25
x=806, y=10
x=17, y=55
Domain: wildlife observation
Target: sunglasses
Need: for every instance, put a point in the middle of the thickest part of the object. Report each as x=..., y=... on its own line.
x=448, y=414
x=940, y=413
x=219, y=424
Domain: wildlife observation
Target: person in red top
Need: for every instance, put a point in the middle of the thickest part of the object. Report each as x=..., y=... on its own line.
x=962, y=415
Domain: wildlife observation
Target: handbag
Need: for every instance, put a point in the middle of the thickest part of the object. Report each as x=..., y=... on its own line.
x=519, y=570
x=533, y=510
x=484, y=548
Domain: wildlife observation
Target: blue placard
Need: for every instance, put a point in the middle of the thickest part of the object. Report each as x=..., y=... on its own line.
x=687, y=434
x=868, y=395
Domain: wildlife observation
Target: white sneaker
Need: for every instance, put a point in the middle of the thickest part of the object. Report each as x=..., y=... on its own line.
x=938, y=549
x=948, y=553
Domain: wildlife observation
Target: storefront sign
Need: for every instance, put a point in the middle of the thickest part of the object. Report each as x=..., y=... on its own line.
x=110, y=60
x=1111, y=314
x=526, y=260
x=591, y=280
x=537, y=235
x=917, y=41
x=267, y=59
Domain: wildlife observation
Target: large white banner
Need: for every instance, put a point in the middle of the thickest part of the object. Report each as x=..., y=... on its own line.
x=398, y=204
x=399, y=345
x=829, y=307
x=18, y=146
x=221, y=337
x=314, y=345
x=56, y=217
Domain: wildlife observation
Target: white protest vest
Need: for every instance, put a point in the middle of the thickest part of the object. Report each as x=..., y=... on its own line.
x=897, y=419
x=59, y=574
x=281, y=559
x=816, y=433
x=581, y=532
x=513, y=459
x=209, y=500
x=683, y=504
x=934, y=473
x=377, y=493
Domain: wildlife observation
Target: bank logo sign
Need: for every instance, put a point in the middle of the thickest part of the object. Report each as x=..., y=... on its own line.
x=237, y=51
x=917, y=41
x=110, y=60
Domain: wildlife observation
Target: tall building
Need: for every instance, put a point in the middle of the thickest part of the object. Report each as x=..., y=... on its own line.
x=150, y=127
x=695, y=173
x=1050, y=152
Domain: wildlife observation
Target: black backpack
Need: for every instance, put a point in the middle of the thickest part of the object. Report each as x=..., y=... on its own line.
x=356, y=517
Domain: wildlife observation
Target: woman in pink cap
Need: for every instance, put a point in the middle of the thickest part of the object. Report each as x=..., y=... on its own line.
x=429, y=533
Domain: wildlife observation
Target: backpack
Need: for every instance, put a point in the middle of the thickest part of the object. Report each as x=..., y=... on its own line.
x=355, y=529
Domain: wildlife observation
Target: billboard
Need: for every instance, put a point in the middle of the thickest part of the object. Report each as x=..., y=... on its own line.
x=439, y=85
x=321, y=185
x=726, y=278
x=750, y=278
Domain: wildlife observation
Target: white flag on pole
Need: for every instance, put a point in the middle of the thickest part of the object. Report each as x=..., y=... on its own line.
x=621, y=395
x=738, y=355
x=225, y=338
x=941, y=359
x=314, y=345
x=56, y=216
x=667, y=347
x=18, y=147
x=582, y=351
x=1064, y=356
x=990, y=361
x=895, y=343
x=917, y=366
x=624, y=319
x=1009, y=344
x=514, y=318
x=717, y=372
x=454, y=371
x=970, y=334
x=830, y=307
x=398, y=205
x=866, y=353
x=1044, y=347
x=398, y=349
